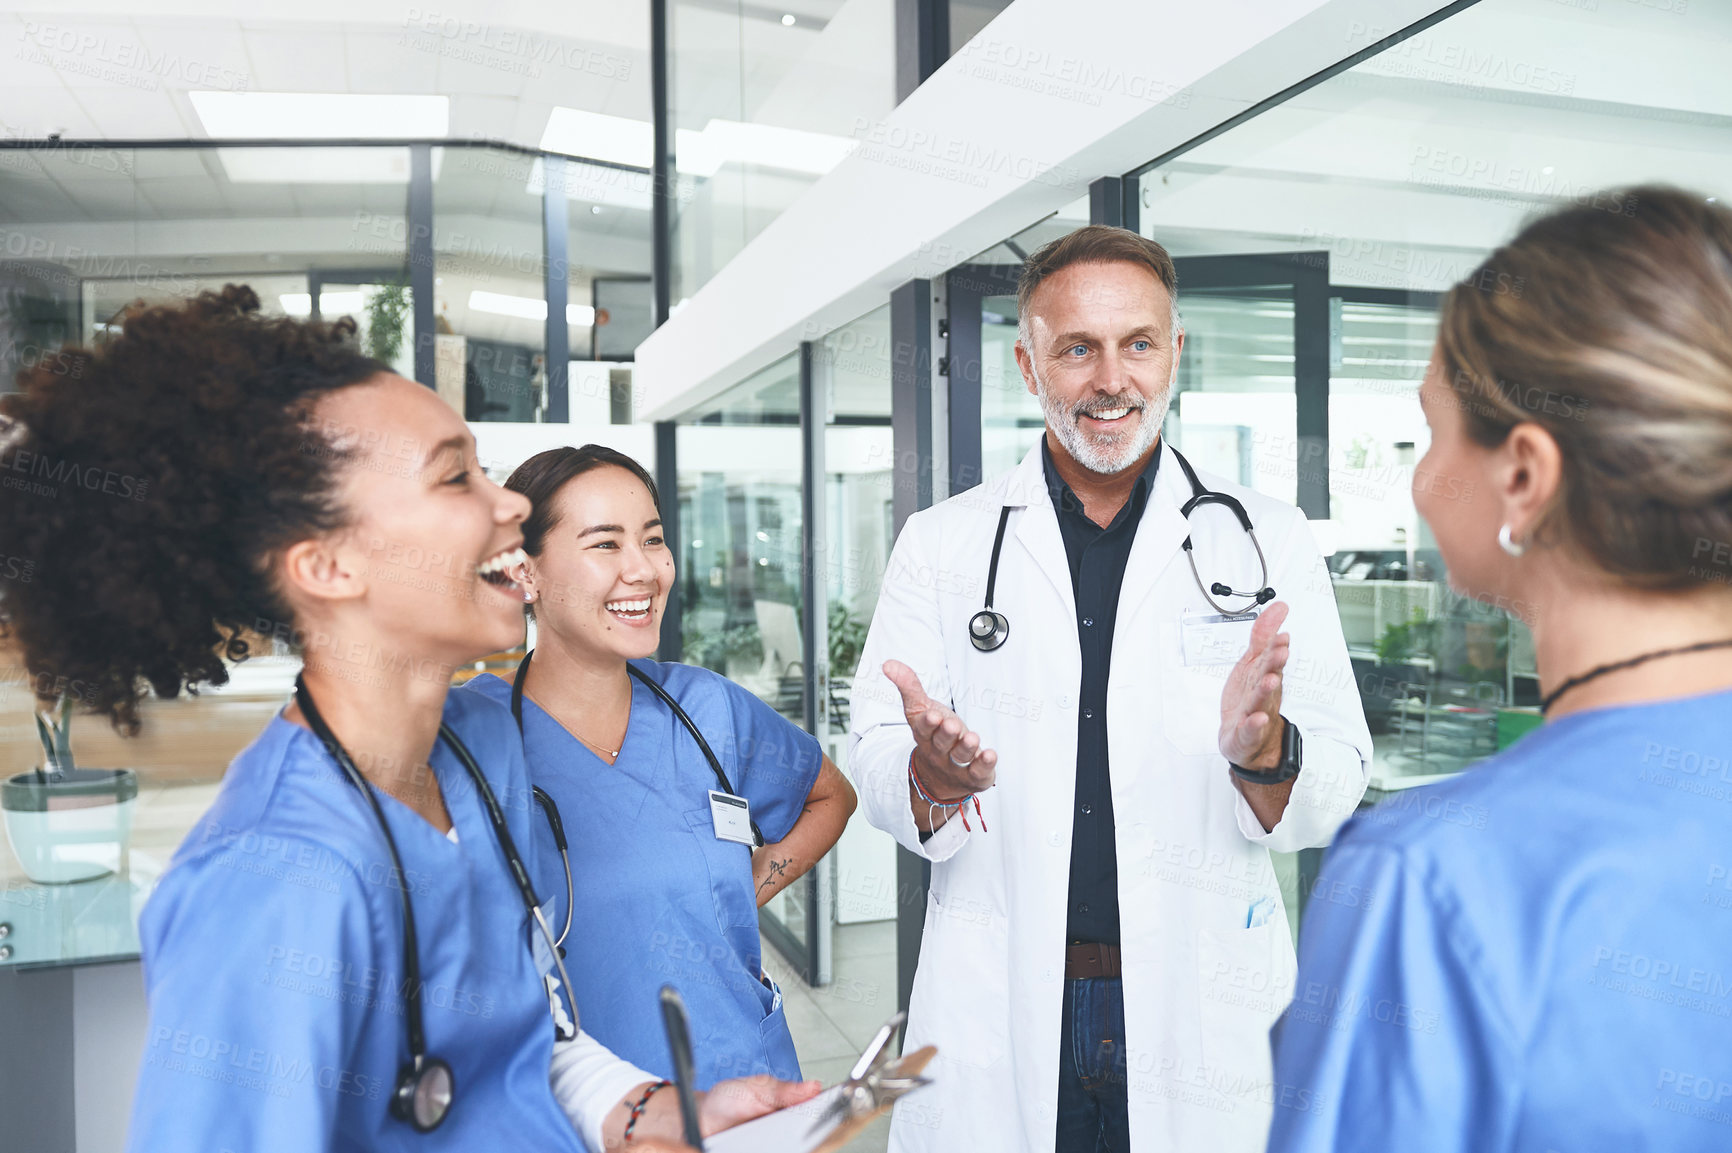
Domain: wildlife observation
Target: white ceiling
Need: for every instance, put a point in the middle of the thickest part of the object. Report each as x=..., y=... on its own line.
x=106, y=72
x=1414, y=164
x=103, y=71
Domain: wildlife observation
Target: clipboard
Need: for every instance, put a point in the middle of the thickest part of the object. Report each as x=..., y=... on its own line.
x=840, y=1113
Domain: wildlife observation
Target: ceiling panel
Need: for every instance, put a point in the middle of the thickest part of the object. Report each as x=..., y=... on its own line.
x=36, y=113
x=389, y=60
x=145, y=114
x=286, y=58
x=207, y=54
x=183, y=198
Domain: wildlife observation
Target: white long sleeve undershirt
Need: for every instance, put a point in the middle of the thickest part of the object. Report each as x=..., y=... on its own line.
x=587, y=1079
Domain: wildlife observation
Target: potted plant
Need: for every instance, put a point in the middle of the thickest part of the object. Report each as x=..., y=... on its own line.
x=66, y=823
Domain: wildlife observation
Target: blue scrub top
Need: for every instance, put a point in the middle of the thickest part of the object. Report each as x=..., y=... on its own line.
x=659, y=899
x=1536, y=955
x=273, y=961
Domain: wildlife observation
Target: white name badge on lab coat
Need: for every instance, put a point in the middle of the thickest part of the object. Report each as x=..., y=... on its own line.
x=732, y=817
x=1213, y=639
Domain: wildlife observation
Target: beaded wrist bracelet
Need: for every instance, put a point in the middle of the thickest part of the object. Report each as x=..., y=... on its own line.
x=637, y=1110
x=934, y=803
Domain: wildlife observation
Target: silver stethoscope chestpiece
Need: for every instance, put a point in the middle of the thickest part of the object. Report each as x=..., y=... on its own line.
x=987, y=629
x=424, y=1094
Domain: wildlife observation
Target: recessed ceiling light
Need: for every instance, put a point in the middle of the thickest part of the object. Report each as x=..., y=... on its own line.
x=787, y=19
x=617, y=139
x=320, y=115
x=528, y=308
x=595, y=210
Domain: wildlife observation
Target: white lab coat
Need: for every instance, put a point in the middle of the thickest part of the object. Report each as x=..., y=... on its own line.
x=1201, y=988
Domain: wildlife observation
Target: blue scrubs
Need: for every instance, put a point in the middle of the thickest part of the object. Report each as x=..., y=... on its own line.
x=1536, y=955
x=273, y=961
x=659, y=899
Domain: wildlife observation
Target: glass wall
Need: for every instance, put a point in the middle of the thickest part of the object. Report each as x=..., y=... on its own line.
x=1397, y=177
x=489, y=271
x=763, y=101
x=84, y=232
x=316, y=230
x=1010, y=416
x=852, y=368
x=740, y=524
x=743, y=610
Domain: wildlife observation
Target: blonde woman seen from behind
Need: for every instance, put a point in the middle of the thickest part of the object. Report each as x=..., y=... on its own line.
x=1540, y=960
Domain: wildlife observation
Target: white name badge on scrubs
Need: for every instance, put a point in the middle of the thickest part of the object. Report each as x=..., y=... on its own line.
x=732, y=816
x=1213, y=639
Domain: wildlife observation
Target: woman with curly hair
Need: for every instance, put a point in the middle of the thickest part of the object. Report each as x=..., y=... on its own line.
x=284, y=484
x=1537, y=954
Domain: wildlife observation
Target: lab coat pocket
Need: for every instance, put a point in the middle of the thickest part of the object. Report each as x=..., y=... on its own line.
x=1191, y=704
x=1244, y=981
x=961, y=998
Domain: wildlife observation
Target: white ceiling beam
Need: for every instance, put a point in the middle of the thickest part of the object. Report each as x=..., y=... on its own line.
x=1012, y=127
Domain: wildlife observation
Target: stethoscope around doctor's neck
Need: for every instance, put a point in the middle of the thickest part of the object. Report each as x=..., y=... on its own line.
x=988, y=629
x=425, y=1086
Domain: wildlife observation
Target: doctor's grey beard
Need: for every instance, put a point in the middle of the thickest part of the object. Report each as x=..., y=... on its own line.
x=1104, y=455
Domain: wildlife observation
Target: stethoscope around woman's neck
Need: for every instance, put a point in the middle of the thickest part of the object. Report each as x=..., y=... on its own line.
x=988, y=629
x=425, y=1086
x=552, y=810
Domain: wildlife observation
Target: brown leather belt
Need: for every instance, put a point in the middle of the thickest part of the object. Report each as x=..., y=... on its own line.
x=1091, y=960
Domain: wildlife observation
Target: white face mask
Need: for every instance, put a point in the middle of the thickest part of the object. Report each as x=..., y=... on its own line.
x=1110, y=452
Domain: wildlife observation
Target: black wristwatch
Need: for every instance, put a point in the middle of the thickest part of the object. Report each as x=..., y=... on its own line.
x=1286, y=770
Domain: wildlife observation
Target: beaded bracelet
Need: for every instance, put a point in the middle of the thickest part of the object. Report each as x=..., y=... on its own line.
x=934, y=803
x=637, y=1110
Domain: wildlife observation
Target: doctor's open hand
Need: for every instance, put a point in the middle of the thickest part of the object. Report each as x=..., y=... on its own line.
x=1251, y=721
x=947, y=754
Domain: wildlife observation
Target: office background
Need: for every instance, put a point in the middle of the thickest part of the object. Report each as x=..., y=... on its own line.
x=734, y=178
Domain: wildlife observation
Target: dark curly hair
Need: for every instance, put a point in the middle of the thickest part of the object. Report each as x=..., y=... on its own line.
x=152, y=482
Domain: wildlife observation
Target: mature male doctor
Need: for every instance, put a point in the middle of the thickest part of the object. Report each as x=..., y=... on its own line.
x=1104, y=950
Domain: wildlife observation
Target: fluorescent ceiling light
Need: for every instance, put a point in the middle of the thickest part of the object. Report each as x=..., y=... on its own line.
x=320, y=165
x=528, y=308
x=600, y=137
x=330, y=303
x=320, y=115
x=768, y=145
x=620, y=140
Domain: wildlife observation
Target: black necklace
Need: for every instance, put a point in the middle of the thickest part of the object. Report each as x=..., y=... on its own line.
x=1615, y=666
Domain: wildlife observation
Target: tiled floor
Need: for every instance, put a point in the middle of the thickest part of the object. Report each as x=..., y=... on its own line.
x=833, y=1024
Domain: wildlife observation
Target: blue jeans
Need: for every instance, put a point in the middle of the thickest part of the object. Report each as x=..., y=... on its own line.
x=1093, y=1115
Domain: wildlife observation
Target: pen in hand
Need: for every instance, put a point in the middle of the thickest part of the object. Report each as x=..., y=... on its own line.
x=680, y=1045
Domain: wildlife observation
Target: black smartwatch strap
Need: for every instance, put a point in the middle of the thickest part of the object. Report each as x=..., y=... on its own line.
x=1292, y=751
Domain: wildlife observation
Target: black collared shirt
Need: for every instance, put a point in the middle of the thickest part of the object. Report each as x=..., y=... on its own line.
x=1097, y=570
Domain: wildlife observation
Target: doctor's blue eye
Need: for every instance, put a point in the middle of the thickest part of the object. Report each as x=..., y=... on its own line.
x=1141, y=345
x=1078, y=348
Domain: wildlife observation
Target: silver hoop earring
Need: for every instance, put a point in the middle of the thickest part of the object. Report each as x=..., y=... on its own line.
x=1507, y=543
